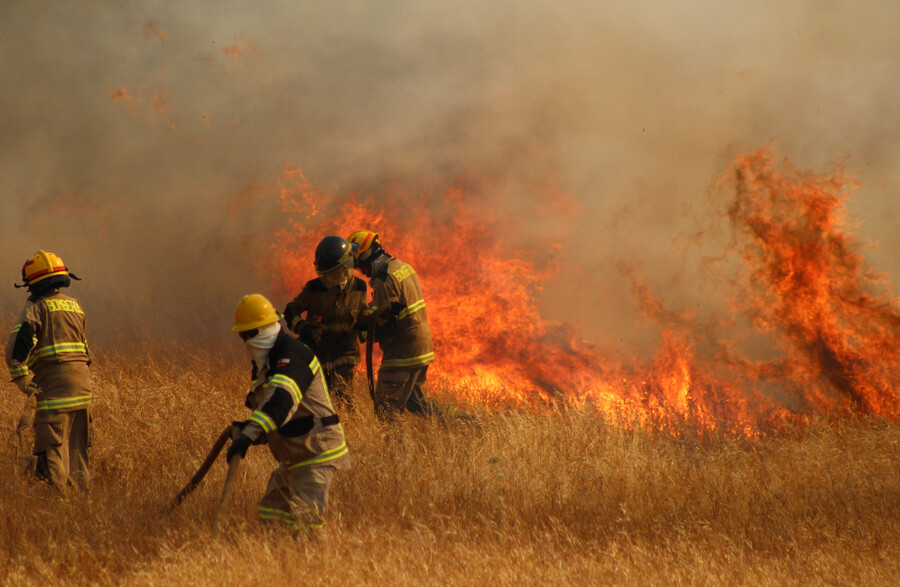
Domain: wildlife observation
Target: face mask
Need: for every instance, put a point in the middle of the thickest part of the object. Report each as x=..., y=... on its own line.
x=260, y=345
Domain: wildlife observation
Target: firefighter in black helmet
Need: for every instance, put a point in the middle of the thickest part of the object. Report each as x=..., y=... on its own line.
x=324, y=315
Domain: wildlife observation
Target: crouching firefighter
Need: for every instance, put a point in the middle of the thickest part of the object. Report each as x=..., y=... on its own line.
x=292, y=413
x=48, y=356
x=325, y=313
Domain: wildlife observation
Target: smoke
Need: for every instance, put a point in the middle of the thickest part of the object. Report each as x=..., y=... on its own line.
x=140, y=138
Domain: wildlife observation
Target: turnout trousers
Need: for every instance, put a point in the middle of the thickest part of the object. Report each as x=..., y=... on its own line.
x=61, y=441
x=297, y=498
x=402, y=389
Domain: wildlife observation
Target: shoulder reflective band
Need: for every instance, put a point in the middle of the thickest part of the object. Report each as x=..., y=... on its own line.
x=282, y=380
x=64, y=402
x=411, y=309
x=264, y=421
x=411, y=362
x=314, y=365
x=328, y=455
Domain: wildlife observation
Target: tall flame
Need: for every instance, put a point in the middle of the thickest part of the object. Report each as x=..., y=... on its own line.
x=807, y=289
x=810, y=287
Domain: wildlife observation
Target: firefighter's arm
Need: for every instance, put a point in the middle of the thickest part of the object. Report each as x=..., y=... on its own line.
x=19, y=346
x=293, y=312
x=278, y=405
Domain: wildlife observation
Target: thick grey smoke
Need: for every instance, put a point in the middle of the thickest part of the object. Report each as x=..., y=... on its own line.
x=131, y=128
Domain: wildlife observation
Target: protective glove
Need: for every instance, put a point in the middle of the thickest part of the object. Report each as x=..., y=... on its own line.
x=361, y=330
x=308, y=336
x=395, y=308
x=238, y=446
x=237, y=426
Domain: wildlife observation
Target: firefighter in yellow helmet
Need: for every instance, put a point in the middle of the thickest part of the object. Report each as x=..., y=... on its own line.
x=403, y=334
x=47, y=355
x=292, y=413
x=324, y=314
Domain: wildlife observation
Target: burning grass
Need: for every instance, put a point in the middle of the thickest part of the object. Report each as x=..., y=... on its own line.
x=520, y=497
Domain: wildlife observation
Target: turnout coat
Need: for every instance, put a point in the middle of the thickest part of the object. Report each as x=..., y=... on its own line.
x=49, y=342
x=292, y=408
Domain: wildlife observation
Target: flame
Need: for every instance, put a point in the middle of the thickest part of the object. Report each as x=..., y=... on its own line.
x=809, y=291
x=810, y=288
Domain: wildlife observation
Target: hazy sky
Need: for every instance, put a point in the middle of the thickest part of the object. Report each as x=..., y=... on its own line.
x=130, y=128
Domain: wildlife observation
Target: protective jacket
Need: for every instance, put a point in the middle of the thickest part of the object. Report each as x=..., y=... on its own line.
x=292, y=408
x=405, y=340
x=49, y=341
x=332, y=316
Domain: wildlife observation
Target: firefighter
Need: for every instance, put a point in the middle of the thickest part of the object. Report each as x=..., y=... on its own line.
x=324, y=314
x=402, y=334
x=48, y=356
x=292, y=413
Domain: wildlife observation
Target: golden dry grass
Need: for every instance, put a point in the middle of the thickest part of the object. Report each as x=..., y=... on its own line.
x=519, y=498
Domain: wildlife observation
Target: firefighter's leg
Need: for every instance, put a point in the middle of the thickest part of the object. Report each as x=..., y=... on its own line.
x=392, y=390
x=418, y=401
x=310, y=487
x=51, y=447
x=274, y=509
x=79, y=441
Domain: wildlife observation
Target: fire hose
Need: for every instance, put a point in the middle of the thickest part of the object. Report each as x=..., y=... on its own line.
x=207, y=463
x=204, y=467
x=370, y=343
x=226, y=490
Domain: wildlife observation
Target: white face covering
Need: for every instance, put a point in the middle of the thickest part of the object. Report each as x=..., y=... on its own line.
x=260, y=345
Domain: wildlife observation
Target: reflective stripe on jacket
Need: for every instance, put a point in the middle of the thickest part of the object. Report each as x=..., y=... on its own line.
x=407, y=343
x=49, y=341
x=286, y=393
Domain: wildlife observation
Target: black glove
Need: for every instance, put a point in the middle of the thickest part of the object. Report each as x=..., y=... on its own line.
x=238, y=446
x=361, y=329
x=395, y=308
x=308, y=336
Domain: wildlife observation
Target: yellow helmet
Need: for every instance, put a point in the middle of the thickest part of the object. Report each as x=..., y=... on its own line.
x=363, y=239
x=41, y=266
x=254, y=311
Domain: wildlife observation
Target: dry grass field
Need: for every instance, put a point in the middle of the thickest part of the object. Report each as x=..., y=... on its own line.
x=516, y=498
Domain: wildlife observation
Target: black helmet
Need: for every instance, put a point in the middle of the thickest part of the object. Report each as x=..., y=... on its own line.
x=333, y=252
